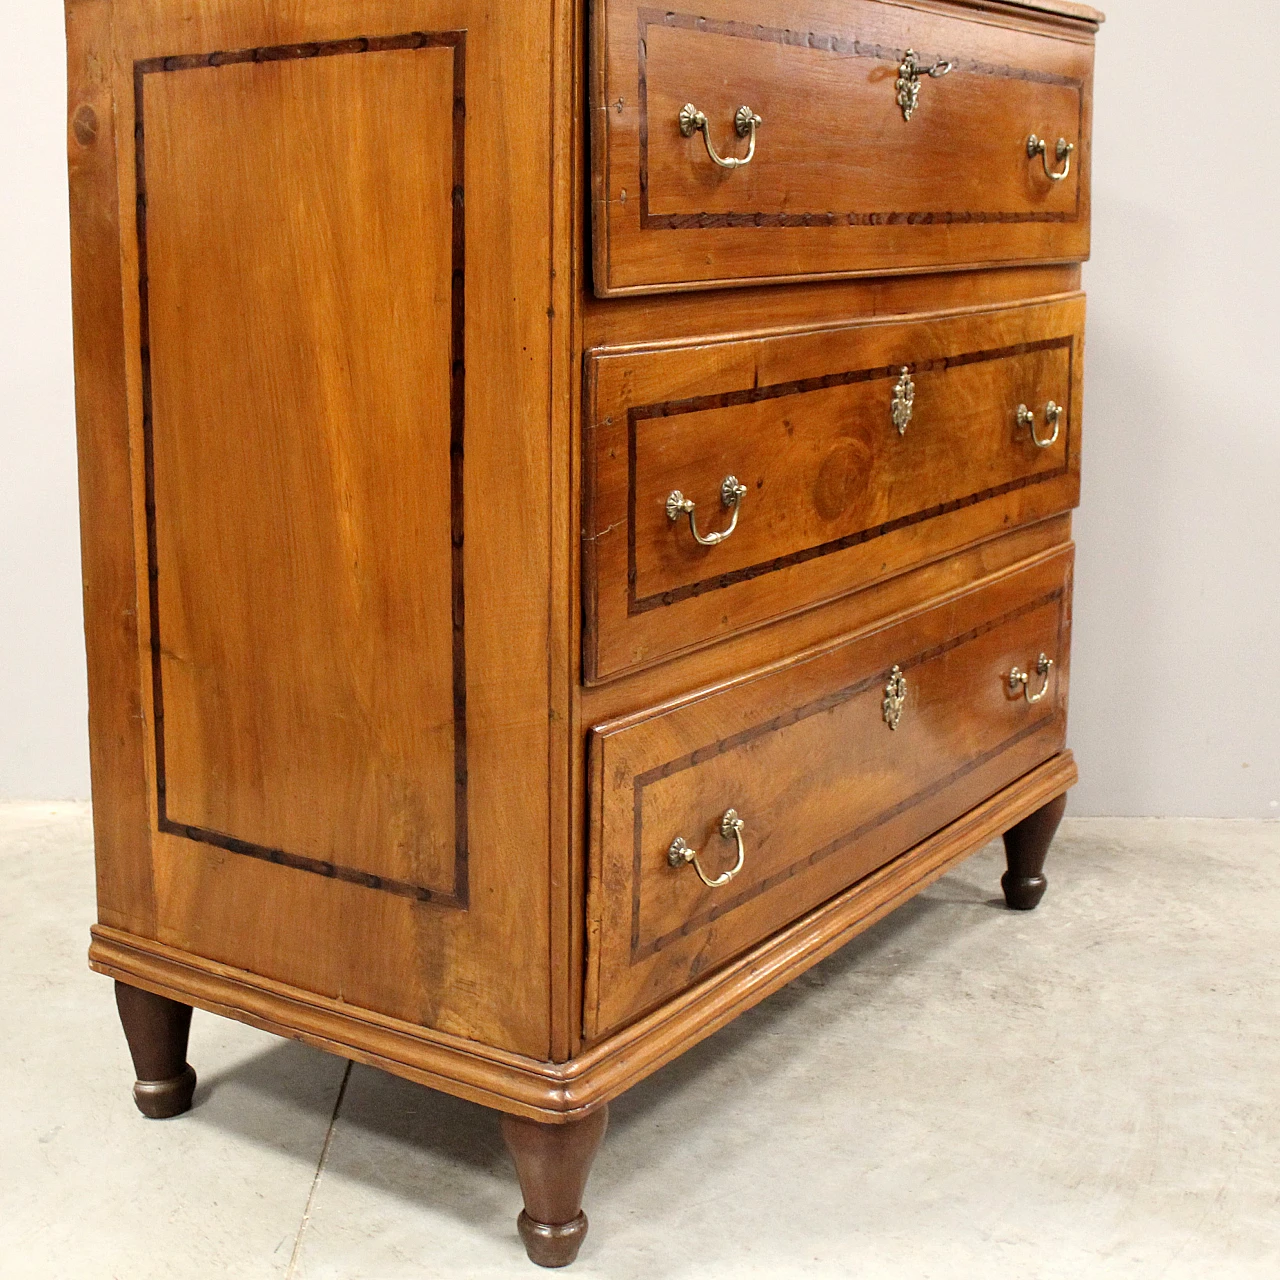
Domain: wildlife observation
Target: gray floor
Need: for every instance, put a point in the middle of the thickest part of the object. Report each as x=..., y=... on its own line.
x=1090, y=1090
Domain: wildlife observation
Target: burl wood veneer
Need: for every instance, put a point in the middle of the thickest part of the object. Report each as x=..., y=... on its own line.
x=546, y=587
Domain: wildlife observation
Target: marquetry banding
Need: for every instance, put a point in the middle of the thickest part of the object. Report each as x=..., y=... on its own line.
x=847, y=48
x=641, y=951
x=458, y=895
x=751, y=395
x=557, y=1091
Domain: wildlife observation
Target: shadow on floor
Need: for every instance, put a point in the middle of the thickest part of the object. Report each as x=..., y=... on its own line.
x=444, y=1130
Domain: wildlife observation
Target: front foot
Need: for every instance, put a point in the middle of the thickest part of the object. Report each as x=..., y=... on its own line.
x=553, y=1162
x=1026, y=846
x=549, y=1245
x=157, y=1030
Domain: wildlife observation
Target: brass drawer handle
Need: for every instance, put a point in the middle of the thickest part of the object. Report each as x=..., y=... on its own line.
x=731, y=829
x=731, y=495
x=904, y=399
x=895, y=697
x=745, y=121
x=1040, y=147
x=1023, y=678
x=908, y=82
x=1052, y=415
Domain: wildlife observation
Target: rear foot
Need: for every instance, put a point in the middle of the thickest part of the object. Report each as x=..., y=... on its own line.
x=1026, y=846
x=157, y=1029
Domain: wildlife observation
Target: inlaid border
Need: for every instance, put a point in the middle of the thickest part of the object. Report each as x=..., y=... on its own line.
x=458, y=896
x=793, y=716
x=846, y=48
x=751, y=395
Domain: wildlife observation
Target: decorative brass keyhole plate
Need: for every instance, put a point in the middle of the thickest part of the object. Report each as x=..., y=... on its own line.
x=895, y=697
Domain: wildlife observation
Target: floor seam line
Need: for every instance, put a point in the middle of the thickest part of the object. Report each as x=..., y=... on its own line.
x=319, y=1173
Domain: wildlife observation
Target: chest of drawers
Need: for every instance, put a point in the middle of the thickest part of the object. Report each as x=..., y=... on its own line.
x=576, y=513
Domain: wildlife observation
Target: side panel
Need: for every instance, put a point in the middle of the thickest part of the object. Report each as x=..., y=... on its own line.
x=117, y=720
x=304, y=469
x=326, y=225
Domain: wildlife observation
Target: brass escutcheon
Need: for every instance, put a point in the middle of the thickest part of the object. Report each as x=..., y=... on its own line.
x=908, y=81
x=904, y=399
x=895, y=697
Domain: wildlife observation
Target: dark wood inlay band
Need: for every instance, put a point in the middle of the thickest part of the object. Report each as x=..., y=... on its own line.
x=458, y=895
x=792, y=716
x=751, y=395
x=844, y=47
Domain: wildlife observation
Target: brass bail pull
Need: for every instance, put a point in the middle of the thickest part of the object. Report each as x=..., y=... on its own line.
x=908, y=81
x=1023, y=678
x=1052, y=415
x=745, y=123
x=731, y=495
x=680, y=851
x=1040, y=147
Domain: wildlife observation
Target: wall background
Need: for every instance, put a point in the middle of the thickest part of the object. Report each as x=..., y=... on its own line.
x=1176, y=670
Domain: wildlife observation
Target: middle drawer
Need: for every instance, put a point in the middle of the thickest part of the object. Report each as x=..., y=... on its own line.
x=735, y=481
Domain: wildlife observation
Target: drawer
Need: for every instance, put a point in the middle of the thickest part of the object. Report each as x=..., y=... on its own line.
x=826, y=790
x=852, y=470
x=840, y=182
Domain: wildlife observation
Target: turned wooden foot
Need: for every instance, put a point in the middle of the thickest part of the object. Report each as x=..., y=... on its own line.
x=1026, y=846
x=157, y=1030
x=553, y=1162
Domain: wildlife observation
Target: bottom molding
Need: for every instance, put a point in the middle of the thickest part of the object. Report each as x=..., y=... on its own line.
x=551, y=1091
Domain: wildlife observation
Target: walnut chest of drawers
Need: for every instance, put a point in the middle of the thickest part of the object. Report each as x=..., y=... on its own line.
x=576, y=512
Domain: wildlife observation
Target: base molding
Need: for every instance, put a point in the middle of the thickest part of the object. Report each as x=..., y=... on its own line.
x=557, y=1092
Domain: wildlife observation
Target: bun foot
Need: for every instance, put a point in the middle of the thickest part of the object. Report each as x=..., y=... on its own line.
x=550, y=1245
x=1026, y=846
x=553, y=1162
x=160, y=1099
x=1023, y=893
x=157, y=1030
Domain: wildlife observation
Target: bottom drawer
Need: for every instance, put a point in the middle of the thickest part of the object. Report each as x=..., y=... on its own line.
x=825, y=787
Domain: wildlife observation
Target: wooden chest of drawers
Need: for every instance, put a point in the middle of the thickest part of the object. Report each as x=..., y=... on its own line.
x=554, y=573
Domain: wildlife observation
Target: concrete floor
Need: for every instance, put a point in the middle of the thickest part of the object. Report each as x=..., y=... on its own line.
x=1091, y=1090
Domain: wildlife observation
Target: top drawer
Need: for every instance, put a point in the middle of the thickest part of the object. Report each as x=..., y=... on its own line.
x=841, y=182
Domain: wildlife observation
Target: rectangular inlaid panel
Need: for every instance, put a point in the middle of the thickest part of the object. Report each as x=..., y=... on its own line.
x=835, y=491
x=301, y=240
x=831, y=776
x=840, y=181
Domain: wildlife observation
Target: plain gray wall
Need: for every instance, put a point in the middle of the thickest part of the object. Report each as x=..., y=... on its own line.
x=1175, y=687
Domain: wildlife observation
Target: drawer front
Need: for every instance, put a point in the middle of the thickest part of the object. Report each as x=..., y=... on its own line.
x=826, y=790
x=852, y=470
x=840, y=182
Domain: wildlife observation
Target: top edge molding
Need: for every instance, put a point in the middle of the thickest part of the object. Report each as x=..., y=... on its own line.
x=1060, y=8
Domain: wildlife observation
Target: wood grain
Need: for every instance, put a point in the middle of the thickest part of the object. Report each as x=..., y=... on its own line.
x=840, y=183
x=827, y=791
x=347, y=517
x=1067, y=8
x=648, y=320
x=550, y=1091
x=553, y=1162
x=117, y=719
x=836, y=497
x=302, y=256
x=305, y=406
